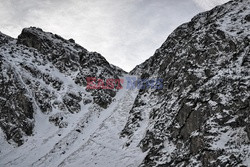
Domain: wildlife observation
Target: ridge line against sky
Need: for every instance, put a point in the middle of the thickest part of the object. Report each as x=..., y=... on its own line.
x=126, y=33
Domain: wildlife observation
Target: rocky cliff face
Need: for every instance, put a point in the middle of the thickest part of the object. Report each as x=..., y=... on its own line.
x=201, y=117
x=41, y=71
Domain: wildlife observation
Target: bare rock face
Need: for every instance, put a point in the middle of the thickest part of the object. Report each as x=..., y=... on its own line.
x=16, y=107
x=201, y=117
x=4, y=39
x=43, y=72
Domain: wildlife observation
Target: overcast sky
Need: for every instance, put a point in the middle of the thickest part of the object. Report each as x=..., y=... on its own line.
x=125, y=32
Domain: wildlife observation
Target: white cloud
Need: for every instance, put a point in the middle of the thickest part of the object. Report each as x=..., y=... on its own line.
x=209, y=4
x=125, y=32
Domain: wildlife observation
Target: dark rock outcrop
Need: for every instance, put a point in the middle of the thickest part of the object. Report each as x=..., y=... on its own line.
x=41, y=71
x=16, y=106
x=202, y=113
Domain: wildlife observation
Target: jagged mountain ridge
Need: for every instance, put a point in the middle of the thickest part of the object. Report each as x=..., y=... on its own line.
x=200, y=118
x=43, y=71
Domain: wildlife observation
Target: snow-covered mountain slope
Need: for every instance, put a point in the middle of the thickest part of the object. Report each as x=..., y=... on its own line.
x=201, y=116
x=44, y=73
x=91, y=138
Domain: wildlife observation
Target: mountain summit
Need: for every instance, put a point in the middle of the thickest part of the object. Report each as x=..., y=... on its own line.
x=42, y=72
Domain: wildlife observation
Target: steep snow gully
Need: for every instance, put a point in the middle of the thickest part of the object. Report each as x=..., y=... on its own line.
x=70, y=146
